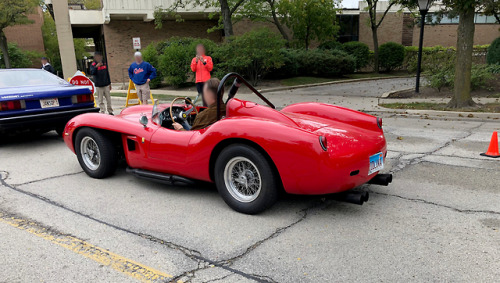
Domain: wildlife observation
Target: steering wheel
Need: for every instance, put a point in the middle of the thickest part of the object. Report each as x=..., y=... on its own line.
x=184, y=114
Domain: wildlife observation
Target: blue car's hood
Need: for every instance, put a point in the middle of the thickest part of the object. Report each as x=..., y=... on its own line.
x=37, y=92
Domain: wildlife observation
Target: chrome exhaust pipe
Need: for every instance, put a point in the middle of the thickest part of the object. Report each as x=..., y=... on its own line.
x=381, y=179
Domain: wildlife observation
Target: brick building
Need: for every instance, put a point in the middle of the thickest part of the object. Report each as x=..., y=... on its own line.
x=399, y=26
x=29, y=36
x=116, y=22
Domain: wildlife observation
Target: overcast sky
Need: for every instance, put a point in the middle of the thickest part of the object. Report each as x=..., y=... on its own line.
x=350, y=3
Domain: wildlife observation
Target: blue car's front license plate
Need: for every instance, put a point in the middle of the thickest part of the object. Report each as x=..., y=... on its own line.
x=376, y=163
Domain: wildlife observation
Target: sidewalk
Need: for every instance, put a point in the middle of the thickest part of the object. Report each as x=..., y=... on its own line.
x=363, y=96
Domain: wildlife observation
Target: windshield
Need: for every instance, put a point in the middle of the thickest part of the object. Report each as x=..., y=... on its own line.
x=16, y=78
x=155, y=115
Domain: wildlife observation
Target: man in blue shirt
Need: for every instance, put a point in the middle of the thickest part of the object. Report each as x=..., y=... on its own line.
x=141, y=73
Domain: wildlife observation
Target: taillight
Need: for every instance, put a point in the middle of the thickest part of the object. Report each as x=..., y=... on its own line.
x=83, y=98
x=379, y=122
x=12, y=105
x=323, y=142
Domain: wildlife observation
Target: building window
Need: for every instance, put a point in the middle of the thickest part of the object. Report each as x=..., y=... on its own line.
x=349, y=28
x=444, y=19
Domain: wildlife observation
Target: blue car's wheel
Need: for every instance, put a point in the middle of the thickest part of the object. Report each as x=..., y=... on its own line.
x=245, y=179
x=96, y=153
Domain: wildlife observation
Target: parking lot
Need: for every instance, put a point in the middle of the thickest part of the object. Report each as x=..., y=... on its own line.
x=438, y=221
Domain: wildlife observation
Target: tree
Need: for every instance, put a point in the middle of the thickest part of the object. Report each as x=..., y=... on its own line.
x=375, y=21
x=227, y=8
x=265, y=11
x=466, y=10
x=13, y=12
x=310, y=19
x=252, y=54
x=492, y=8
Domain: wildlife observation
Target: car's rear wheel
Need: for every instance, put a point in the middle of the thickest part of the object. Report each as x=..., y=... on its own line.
x=245, y=179
x=96, y=153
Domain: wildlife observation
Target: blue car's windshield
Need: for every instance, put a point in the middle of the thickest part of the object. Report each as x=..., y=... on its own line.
x=17, y=78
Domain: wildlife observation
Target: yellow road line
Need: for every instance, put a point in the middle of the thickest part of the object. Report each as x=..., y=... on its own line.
x=124, y=265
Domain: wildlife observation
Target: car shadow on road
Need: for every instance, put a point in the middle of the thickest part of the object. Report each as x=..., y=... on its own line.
x=34, y=139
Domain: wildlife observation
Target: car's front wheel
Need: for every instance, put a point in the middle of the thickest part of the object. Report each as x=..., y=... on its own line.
x=245, y=179
x=96, y=153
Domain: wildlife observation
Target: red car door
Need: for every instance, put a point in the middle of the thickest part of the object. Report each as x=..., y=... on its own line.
x=170, y=148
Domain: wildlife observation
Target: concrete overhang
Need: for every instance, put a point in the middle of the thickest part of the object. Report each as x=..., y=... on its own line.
x=86, y=17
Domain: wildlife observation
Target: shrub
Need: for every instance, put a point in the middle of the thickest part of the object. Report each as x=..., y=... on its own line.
x=330, y=45
x=176, y=55
x=391, y=55
x=493, y=56
x=18, y=57
x=252, y=54
x=325, y=63
x=151, y=55
x=481, y=75
x=360, y=51
x=290, y=67
x=322, y=63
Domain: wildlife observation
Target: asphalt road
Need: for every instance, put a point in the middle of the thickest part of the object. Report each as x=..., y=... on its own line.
x=438, y=221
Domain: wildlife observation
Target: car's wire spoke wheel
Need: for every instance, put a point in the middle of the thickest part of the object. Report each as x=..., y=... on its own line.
x=246, y=179
x=242, y=178
x=90, y=153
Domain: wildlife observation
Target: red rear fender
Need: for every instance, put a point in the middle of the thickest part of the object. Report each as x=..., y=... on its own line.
x=335, y=113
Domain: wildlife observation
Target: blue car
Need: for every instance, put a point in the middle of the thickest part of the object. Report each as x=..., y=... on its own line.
x=34, y=100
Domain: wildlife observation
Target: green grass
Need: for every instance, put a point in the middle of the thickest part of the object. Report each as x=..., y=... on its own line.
x=488, y=107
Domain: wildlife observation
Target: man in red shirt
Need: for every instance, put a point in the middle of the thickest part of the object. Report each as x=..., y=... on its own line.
x=202, y=65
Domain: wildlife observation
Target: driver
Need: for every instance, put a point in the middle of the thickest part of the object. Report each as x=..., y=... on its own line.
x=209, y=115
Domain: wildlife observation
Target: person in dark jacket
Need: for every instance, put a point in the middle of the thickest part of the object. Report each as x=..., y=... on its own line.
x=99, y=69
x=46, y=66
x=141, y=73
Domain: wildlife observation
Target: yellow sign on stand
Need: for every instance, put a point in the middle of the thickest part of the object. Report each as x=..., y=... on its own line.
x=132, y=94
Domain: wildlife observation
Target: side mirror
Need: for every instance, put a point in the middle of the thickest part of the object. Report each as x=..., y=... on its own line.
x=144, y=120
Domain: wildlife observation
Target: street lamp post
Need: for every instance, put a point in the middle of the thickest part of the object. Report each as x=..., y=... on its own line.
x=423, y=6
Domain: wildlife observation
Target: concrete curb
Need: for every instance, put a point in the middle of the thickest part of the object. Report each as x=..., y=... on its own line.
x=435, y=113
x=387, y=94
x=330, y=83
x=452, y=115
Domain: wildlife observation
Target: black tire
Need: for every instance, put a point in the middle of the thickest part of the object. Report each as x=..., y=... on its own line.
x=259, y=166
x=60, y=130
x=107, y=151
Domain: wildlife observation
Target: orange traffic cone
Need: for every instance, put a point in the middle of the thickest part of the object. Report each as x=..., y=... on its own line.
x=493, y=149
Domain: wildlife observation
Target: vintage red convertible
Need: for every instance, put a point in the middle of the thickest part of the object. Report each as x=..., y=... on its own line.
x=251, y=153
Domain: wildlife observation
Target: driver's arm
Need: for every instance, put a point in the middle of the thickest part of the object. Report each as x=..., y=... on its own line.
x=178, y=127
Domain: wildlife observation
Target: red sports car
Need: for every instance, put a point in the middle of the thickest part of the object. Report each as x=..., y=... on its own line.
x=251, y=153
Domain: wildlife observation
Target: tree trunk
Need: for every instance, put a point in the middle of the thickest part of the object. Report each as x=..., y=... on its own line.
x=226, y=18
x=376, y=64
x=5, y=49
x=463, y=66
x=277, y=22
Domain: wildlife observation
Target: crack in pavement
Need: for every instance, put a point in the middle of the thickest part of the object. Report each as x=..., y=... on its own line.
x=403, y=164
x=318, y=205
x=203, y=263
x=467, y=211
x=45, y=179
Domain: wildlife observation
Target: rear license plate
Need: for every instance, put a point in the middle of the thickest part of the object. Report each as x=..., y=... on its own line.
x=376, y=163
x=47, y=103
